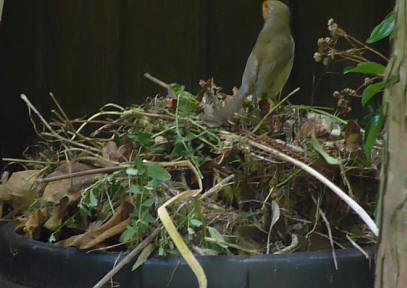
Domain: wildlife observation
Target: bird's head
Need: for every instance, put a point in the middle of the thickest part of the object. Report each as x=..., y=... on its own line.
x=273, y=8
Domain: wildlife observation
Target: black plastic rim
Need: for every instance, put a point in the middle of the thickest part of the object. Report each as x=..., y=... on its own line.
x=26, y=263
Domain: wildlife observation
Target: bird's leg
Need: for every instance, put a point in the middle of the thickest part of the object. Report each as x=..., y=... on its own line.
x=264, y=107
x=255, y=99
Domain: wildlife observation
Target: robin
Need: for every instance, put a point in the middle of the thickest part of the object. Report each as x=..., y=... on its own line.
x=268, y=66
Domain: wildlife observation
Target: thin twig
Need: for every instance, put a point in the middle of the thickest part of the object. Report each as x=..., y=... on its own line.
x=327, y=237
x=153, y=115
x=358, y=247
x=128, y=258
x=61, y=111
x=101, y=113
x=369, y=48
x=55, y=134
x=328, y=228
x=157, y=81
x=79, y=174
x=27, y=161
x=217, y=187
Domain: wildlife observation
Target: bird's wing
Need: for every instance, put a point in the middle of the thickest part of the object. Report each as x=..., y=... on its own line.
x=274, y=68
x=249, y=75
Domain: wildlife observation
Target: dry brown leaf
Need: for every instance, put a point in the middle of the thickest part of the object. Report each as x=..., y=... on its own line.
x=126, y=149
x=111, y=152
x=4, y=177
x=56, y=216
x=318, y=123
x=34, y=223
x=20, y=188
x=353, y=137
x=113, y=231
x=95, y=230
x=143, y=257
x=71, y=188
x=170, y=103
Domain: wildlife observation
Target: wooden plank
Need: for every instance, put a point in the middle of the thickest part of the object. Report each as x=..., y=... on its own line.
x=82, y=53
x=233, y=28
x=166, y=39
x=17, y=73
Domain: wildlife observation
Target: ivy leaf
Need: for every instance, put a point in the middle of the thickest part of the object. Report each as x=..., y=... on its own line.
x=374, y=128
x=328, y=158
x=371, y=91
x=367, y=68
x=384, y=29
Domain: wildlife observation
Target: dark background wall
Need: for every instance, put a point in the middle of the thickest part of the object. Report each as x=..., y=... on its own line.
x=90, y=52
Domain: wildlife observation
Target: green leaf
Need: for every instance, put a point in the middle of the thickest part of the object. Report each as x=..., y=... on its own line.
x=161, y=251
x=128, y=234
x=143, y=257
x=384, y=29
x=93, y=201
x=217, y=236
x=371, y=91
x=52, y=238
x=328, y=158
x=147, y=217
x=187, y=102
x=148, y=202
x=131, y=171
x=158, y=173
x=196, y=223
x=374, y=128
x=191, y=231
x=136, y=189
x=140, y=165
x=142, y=138
x=367, y=68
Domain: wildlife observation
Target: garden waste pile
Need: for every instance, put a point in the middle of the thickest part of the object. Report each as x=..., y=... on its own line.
x=110, y=181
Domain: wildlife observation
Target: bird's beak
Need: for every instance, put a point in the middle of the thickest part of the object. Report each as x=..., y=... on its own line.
x=266, y=10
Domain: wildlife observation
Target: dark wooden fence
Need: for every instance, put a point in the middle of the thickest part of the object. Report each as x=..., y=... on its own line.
x=89, y=52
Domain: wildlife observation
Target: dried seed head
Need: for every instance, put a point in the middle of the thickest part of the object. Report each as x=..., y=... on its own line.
x=336, y=31
x=337, y=94
x=321, y=41
x=327, y=61
x=318, y=57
